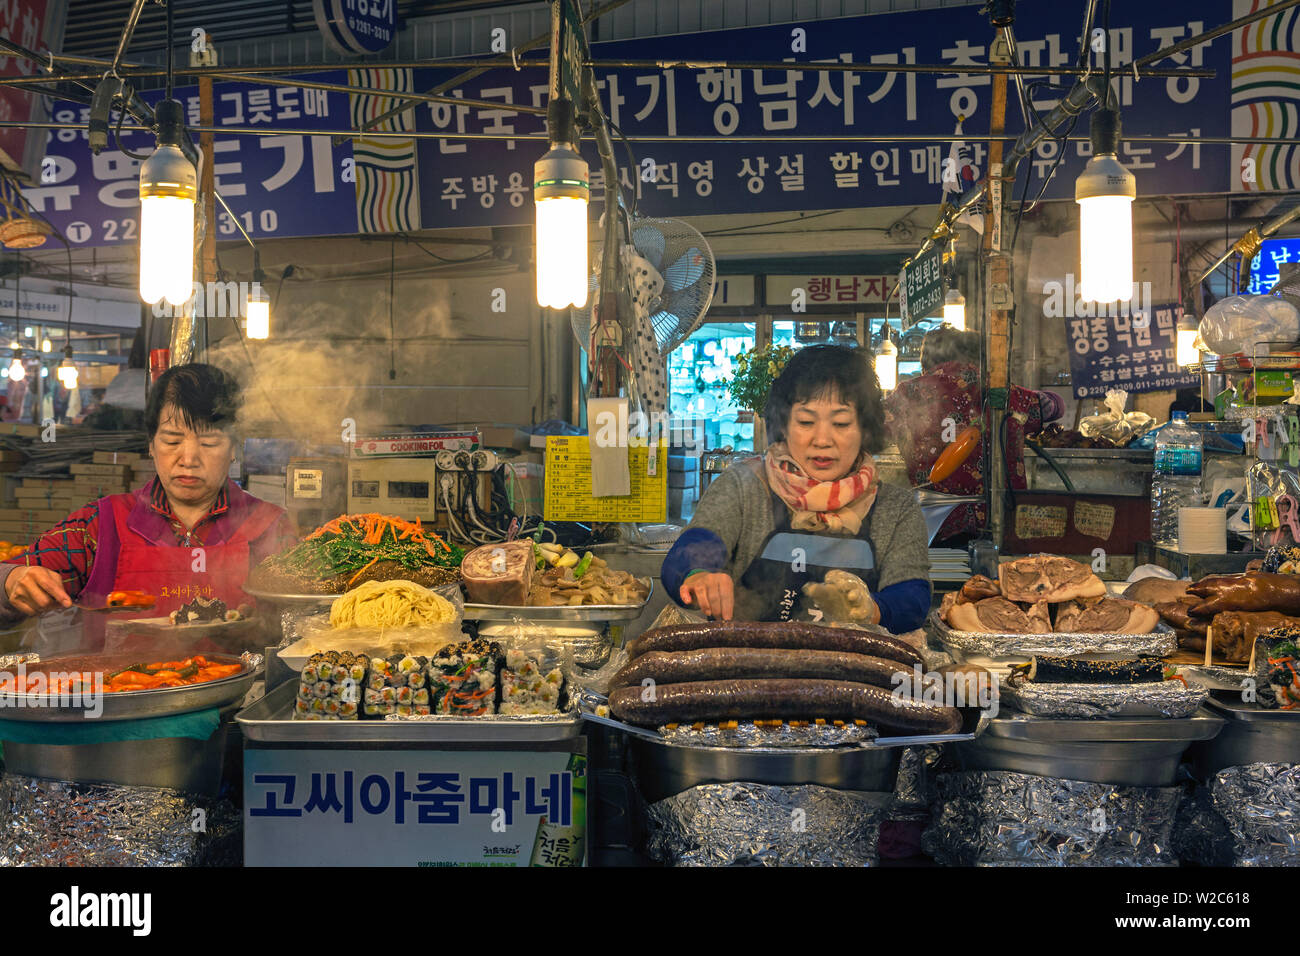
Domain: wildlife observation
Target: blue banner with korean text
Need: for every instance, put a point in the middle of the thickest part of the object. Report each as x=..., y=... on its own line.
x=1133, y=351
x=284, y=184
x=288, y=184
x=480, y=183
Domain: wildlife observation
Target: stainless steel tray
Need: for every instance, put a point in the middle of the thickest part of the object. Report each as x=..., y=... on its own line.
x=1159, y=643
x=1240, y=710
x=484, y=612
x=270, y=720
x=590, y=612
x=134, y=704
x=1200, y=726
x=1131, y=753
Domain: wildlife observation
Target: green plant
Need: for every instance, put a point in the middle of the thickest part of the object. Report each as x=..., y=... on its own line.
x=756, y=370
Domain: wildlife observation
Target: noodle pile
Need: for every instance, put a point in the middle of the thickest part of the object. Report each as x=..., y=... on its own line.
x=390, y=604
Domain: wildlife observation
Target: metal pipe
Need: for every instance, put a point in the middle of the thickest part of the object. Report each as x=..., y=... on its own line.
x=658, y=138
x=1248, y=244
x=132, y=19
x=484, y=65
x=1209, y=35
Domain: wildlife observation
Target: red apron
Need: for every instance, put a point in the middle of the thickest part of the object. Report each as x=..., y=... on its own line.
x=176, y=574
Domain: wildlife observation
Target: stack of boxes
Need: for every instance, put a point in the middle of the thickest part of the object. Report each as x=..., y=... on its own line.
x=686, y=445
x=41, y=503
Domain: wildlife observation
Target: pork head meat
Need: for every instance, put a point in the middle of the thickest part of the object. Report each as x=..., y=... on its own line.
x=1043, y=577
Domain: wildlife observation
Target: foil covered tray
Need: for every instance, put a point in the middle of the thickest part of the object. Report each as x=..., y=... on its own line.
x=128, y=704
x=963, y=644
x=1169, y=698
x=270, y=720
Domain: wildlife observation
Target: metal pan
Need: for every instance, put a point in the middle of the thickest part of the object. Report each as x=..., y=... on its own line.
x=1087, y=645
x=589, y=612
x=270, y=720
x=130, y=704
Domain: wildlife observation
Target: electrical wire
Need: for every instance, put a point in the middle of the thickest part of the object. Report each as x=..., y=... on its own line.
x=485, y=254
x=117, y=135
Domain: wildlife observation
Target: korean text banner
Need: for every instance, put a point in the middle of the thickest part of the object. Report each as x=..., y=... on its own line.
x=291, y=185
x=1133, y=351
x=285, y=184
x=477, y=183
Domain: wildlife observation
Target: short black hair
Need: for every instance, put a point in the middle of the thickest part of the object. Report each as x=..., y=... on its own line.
x=204, y=395
x=820, y=371
x=948, y=344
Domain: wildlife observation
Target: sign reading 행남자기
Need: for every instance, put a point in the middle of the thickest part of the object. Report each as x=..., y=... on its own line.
x=832, y=289
x=922, y=282
x=1133, y=351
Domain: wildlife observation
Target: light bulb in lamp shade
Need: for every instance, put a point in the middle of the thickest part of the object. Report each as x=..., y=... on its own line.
x=168, y=189
x=954, y=309
x=560, y=193
x=887, y=366
x=1187, y=353
x=68, y=374
x=258, y=313
x=1105, y=191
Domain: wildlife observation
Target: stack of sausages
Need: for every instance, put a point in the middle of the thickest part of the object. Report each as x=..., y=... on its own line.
x=745, y=670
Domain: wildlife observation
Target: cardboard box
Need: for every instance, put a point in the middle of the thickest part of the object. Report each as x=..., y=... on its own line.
x=48, y=484
x=116, y=457
x=113, y=471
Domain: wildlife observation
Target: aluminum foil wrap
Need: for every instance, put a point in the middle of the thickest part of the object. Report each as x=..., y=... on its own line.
x=747, y=734
x=1169, y=698
x=13, y=660
x=54, y=823
x=1000, y=818
x=962, y=644
x=914, y=788
x=750, y=824
x=1260, y=803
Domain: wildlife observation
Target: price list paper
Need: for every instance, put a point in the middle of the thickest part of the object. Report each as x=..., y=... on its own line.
x=568, y=484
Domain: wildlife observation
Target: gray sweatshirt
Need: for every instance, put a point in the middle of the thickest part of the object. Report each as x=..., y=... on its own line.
x=737, y=507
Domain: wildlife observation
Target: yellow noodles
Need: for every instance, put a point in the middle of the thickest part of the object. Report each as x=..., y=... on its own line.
x=390, y=604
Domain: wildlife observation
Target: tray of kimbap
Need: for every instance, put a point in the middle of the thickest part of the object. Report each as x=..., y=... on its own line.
x=470, y=691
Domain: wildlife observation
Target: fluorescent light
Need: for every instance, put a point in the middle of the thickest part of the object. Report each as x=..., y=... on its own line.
x=887, y=365
x=258, y=313
x=1105, y=191
x=954, y=309
x=168, y=189
x=560, y=193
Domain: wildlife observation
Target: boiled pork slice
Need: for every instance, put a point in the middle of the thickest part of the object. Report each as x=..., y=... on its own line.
x=1044, y=577
x=1106, y=616
x=499, y=573
x=980, y=587
x=997, y=615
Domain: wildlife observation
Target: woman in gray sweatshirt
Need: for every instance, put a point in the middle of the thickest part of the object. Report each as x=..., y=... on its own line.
x=813, y=503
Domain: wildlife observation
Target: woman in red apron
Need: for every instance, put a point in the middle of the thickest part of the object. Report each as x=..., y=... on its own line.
x=191, y=532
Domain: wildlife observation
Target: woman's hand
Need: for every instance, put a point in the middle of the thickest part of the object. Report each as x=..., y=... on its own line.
x=713, y=592
x=33, y=589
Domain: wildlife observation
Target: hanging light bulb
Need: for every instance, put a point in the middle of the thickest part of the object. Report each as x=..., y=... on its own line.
x=1187, y=354
x=561, y=190
x=67, y=370
x=167, y=193
x=28, y=333
x=13, y=343
x=954, y=309
x=1105, y=191
x=258, y=307
x=47, y=345
x=16, y=369
x=887, y=364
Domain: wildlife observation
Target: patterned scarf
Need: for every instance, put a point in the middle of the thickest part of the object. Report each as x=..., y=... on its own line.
x=833, y=507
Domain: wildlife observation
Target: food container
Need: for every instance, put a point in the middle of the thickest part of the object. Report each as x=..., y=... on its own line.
x=664, y=769
x=1251, y=734
x=270, y=721
x=566, y=614
x=970, y=645
x=1168, y=699
x=1123, y=752
x=590, y=645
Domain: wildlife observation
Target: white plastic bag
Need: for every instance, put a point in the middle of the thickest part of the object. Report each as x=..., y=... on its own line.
x=1114, y=423
x=1245, y=323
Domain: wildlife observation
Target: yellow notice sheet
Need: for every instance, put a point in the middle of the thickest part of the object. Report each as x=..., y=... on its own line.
x=568, y=485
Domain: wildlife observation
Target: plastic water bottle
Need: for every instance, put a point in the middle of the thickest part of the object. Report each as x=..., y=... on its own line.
x=1177, y=479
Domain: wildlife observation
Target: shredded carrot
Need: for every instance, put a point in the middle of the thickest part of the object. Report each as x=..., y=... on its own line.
x=362, y=571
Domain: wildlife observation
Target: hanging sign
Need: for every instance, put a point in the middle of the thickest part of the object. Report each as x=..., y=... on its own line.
x=922, y=282
x=357, y=26
x=1133, y=351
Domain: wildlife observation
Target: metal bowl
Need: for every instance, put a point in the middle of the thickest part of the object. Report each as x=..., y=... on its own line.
x=664, y=769
x=132, y=704
x=1252, y=734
